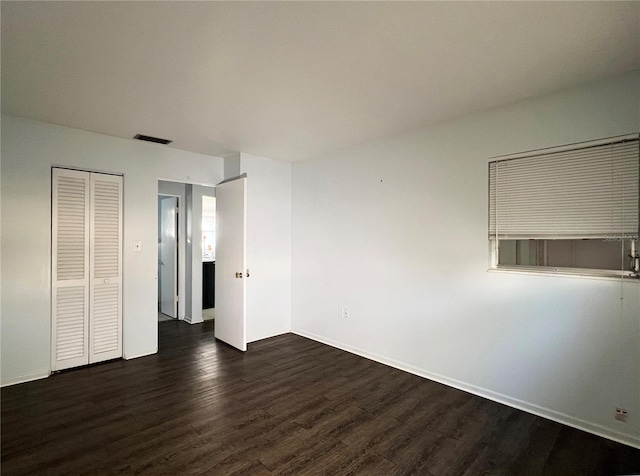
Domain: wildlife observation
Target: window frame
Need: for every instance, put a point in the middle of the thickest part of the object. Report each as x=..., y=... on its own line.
x=555, y=270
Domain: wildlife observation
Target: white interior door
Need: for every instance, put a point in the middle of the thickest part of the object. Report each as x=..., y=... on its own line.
x=105, y=317
x=231, y=263
x=70, y=269
x=168, y=257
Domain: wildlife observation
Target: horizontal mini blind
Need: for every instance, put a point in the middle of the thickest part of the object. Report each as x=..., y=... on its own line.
x=586, y=192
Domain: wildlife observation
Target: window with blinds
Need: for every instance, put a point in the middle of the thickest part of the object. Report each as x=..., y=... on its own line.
x=575, y=207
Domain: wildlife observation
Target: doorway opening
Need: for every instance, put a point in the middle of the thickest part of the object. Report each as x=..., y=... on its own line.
x=186, y=248
x=168, y=257
x=208, y=257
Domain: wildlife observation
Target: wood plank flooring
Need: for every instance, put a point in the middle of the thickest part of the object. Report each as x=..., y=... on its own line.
x=288, y=406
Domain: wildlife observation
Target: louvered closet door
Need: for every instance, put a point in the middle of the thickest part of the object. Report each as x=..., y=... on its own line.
x=70, y=268
x=105, y=317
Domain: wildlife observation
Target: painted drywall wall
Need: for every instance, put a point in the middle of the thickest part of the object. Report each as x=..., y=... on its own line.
x=188, y=247
x=232, y=166
x=268, y=246
x=194, y=250
x=29, y=149
x=178, y=190
x=396, y=231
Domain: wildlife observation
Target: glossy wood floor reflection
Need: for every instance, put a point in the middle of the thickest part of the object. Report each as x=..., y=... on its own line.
x=287, y=406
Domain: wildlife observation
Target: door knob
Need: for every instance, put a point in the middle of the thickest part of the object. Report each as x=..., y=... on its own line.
x=238, y=275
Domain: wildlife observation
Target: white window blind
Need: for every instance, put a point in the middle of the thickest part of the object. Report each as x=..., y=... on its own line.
x=585, y=192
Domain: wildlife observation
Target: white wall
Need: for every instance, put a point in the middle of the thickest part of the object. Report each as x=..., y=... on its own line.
x=188, y=247
x=268, y=246
x=29, y=149
x=194, y=250
x=396, y=230
x=232, y=166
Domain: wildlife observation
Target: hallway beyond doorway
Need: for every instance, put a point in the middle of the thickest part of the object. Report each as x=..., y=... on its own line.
x=209, y=314
x=164, y=317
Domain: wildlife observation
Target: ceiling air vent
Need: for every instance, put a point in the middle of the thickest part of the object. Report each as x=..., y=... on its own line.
x=157, y=140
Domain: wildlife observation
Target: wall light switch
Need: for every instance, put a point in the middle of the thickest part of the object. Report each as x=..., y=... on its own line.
x=137, y=246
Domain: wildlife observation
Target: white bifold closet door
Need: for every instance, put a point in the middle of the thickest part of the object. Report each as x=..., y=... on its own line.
x=86, y=268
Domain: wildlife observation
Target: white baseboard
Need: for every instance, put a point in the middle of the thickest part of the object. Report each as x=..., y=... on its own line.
x=25, y=378
x=543, y=412
x=191, y=320
x=268, y=336
x=136, y=356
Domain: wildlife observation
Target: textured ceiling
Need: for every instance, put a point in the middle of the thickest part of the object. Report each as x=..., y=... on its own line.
x=291, y=80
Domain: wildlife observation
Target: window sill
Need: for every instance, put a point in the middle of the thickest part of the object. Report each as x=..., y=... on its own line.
x=626, y=276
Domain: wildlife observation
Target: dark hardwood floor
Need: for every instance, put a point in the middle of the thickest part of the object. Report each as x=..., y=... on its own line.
x=287, y=406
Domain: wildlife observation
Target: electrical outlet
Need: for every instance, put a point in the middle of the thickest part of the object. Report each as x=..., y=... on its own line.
x=344, y=312
x=621, y=414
